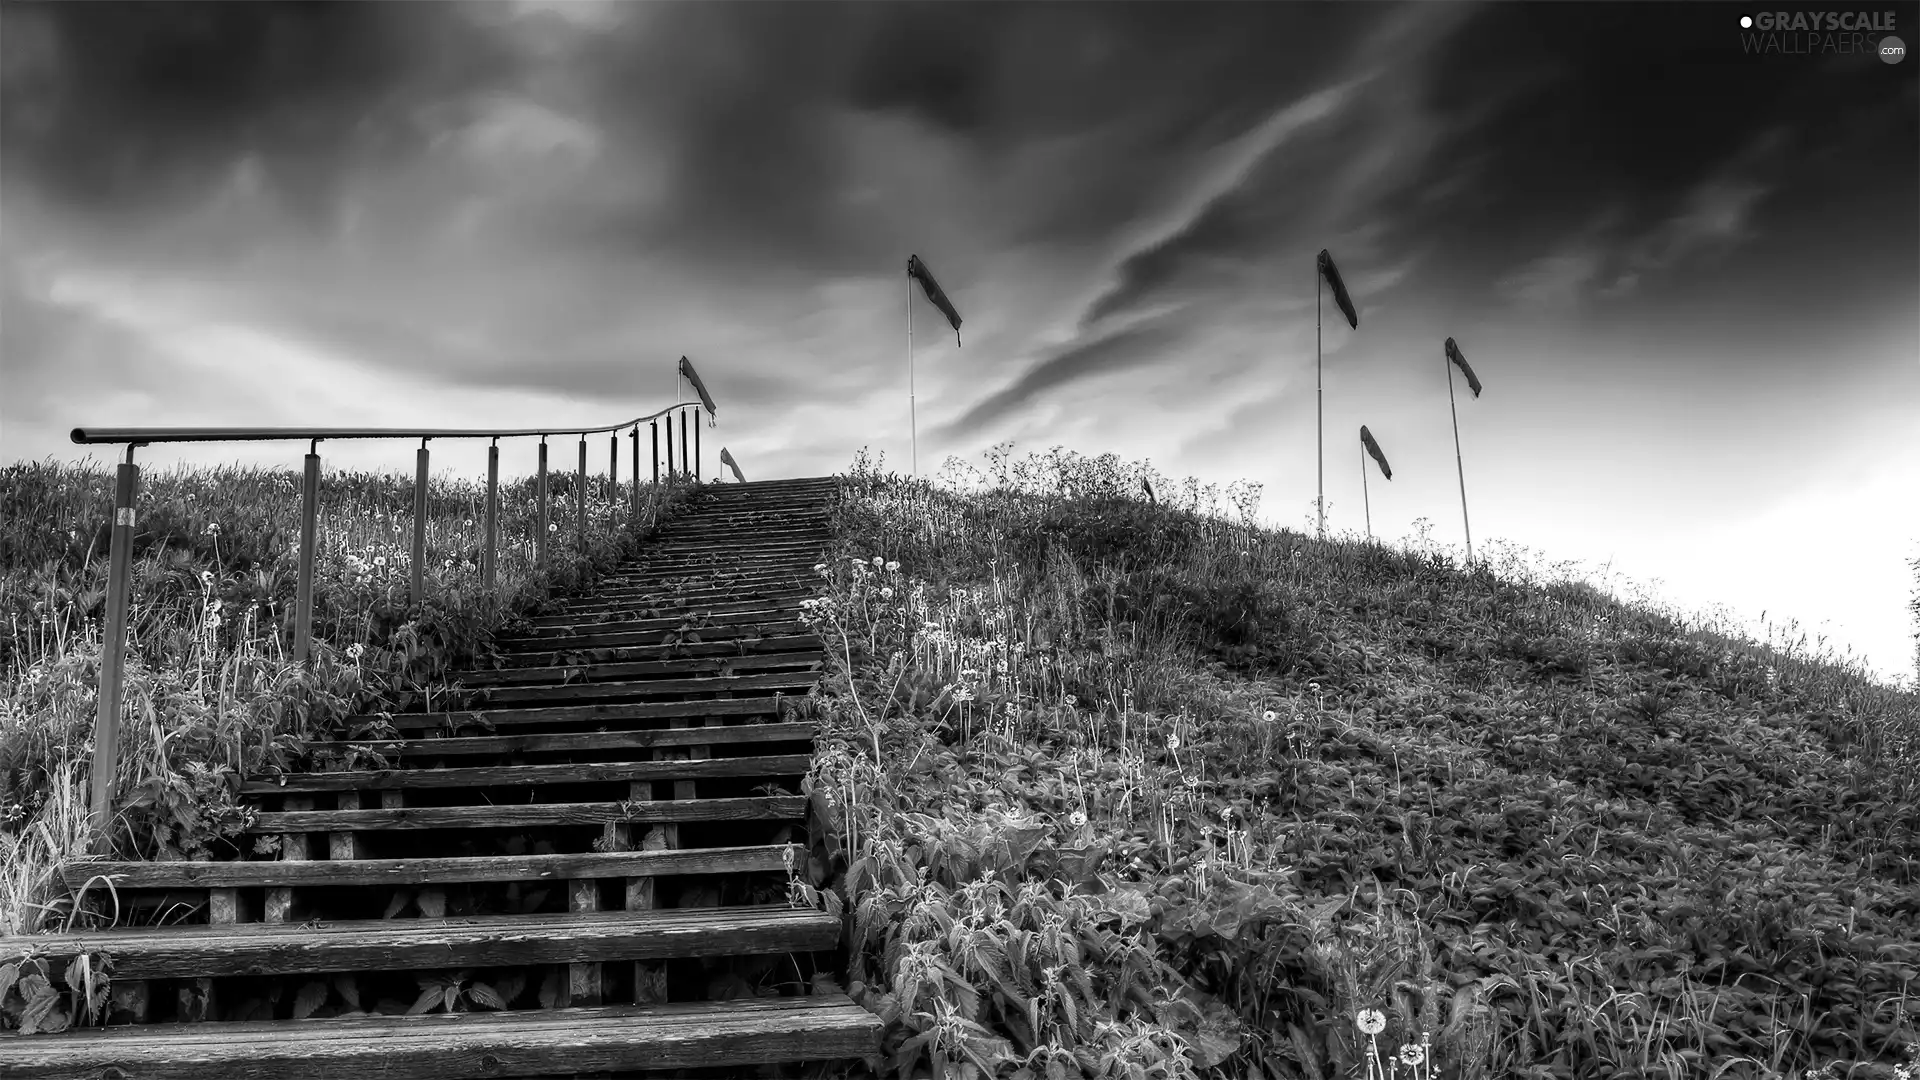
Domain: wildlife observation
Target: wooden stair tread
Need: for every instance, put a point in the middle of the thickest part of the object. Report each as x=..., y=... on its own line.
x=702, y=656
x=456, y=1046
x=639, y=710
x=769, y=625
x=430, y=871
x=511, y=775
x=643, y=738
x=653, y=687
x=751, y=808
x=418, y=944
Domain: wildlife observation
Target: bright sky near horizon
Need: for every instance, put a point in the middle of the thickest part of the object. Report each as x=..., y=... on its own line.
x=1687, y=273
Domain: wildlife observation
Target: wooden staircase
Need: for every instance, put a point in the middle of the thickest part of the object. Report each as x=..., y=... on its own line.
x=599, y=839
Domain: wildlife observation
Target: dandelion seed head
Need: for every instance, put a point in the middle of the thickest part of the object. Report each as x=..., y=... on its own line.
x=1269, y=716
x=1370, y=1021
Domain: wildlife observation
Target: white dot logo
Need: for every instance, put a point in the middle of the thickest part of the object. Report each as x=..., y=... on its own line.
x=1746, y=22
x=1892, y=49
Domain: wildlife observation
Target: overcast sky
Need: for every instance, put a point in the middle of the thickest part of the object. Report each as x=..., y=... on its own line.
x=1688, y=275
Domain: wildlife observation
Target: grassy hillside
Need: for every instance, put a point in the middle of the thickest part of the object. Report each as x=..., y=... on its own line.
x=1119, y=789
x=210, y=689
x=1104, y=771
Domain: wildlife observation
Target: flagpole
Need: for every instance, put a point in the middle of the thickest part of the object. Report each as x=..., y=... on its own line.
x=1365, y=499
x=1320, y=412
x=1458, y=467
x=913, y=421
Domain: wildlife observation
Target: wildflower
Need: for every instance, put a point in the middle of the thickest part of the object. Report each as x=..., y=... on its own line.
x=206, y=577
x=819, y=568
x=356, y=650
x=379, y=560
x=1412, y=1054
x=553, y=527
x=1314, y=687
x=1173, y=742
x=469, y=523
x=213, y=622
x=893, y=567
x=213, y=528
x=1077, y=818
x=1269, y=716
x=878, y=562
x=886, y=593
x=1371, y=1022
x=1071, y=700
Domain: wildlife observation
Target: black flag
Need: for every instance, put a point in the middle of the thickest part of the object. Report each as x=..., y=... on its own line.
x=1332, y=274
x=692, y=376
x=1366, y=439
x=1453, y=354
x=918, y=270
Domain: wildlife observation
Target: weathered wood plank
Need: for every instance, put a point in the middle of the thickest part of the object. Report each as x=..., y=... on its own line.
x=418, y=944
x=453, y=1046
x=755, y=626
x=444, y=871
x=350, y=783
x=294, y=847
x=778, y=807
x=563, y=714
x=640, y=739
x=340, y=845
x=690, y=665
x=707, y=684
x=752, y=615
x=529, y=669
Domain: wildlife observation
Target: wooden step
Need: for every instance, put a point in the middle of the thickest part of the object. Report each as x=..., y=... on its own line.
x=459, y=1046
x=172, y=952
x=769, y=765
x=609, y=612
x=582, y=741
x=527, y=815
x=725, y=628
x=687, y=658
x=437, y=871
x=747, y=614
x=799, y=681
x=681, y=598
x=568, y=714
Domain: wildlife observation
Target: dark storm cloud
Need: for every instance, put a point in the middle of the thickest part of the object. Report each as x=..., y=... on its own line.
x=1136, y=346
x=129, y=107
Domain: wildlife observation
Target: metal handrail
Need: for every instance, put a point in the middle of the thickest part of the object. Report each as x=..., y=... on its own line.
x=107, y=719
x=146, y=435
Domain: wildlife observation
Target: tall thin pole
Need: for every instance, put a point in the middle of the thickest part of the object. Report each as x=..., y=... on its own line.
x=303, y=586
x=1320, y=412
x=1458, y=467
x=489, y=573
x=420, y=526
x=106, y=720
x=913, y=420
x=1365, y=499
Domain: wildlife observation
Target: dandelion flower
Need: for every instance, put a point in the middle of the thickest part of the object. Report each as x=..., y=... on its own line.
x=1269, y=716
x=1412, y=1054
x=1077, y=818
x=356, y=650
x=1314, y=686
x=893, y=567
x=1173, y=742
x=213, y=528
x=1370, y=1021
x=553, y=527
x=1071, y=700
x=379, y=560
x=878, y=562
x=886, y=593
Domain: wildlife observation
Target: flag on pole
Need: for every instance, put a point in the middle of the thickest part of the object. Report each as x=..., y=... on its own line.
x=918, y=271
x=727, y=460
x=1332, y=274
x=1453, y=354
x=692, y=376
x=1366, y=439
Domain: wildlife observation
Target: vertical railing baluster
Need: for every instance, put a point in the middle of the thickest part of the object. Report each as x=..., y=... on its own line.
x=697, y=425
x=656, y=452
x=669, y=448
x=540, y=526
x=685, y=462
x=613, y=480
x=309, y=526
x=420, y=527
x=106, y=721
x=580, y=500
x=488, y=574
x=634, y=519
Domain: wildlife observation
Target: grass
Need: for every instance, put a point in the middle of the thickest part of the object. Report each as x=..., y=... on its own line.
x=1129, y=789
x=1111, y=788
x=211, y=691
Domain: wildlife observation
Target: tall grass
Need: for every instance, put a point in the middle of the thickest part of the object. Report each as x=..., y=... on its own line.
x=211, y=691
x=1115, y=788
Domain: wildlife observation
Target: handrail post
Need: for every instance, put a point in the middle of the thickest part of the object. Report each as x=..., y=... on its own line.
x=669, y=448
x=303, y=591
x=613, y=479
x=685, y=462
x=696, y=446
x=487, y=572
x=656, y=452
x=540, y=526
x=106, y=722
x=580, y=500
x=633, y=519
x=420, y=526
